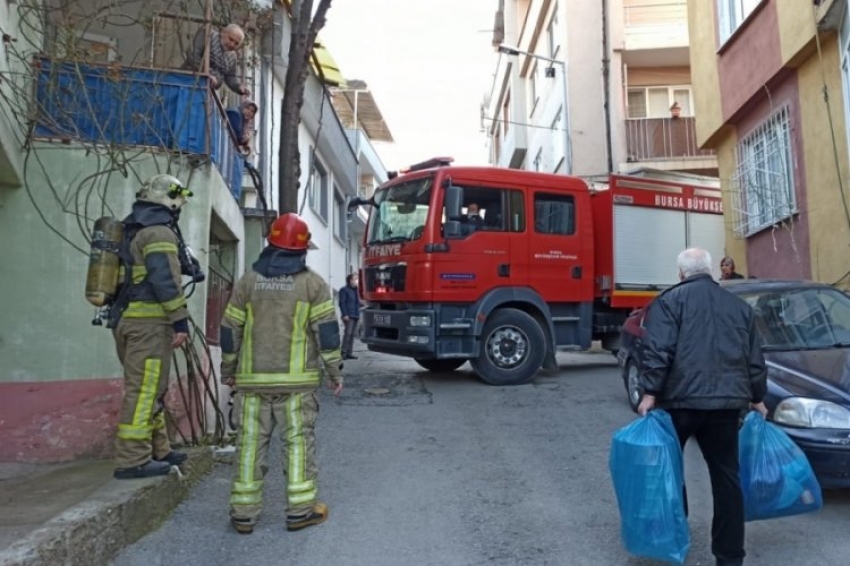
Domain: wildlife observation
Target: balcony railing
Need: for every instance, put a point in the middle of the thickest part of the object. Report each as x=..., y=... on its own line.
x=656, y=139
x=129, y=106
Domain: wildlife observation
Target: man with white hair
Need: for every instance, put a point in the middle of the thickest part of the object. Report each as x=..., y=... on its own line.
x=702, y=362
x=223, y=62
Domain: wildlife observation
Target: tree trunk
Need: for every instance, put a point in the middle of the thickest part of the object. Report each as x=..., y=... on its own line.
x=304, y=31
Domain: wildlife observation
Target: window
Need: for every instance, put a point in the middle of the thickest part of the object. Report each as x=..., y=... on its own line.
x=655, y=102
x=554, y=214
x=764, y=177
x=532, y=85
x=516, y=210
x=341, y=220
x=731, y=14
x=557, y=140
x=319, y=189
x=538, y=160
x=85, y=46
x=551, y=33
x=497, y=210
x=506, y=112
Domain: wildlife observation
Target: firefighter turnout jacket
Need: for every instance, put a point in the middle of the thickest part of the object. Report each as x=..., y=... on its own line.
x=155, y=285
x=280, y=327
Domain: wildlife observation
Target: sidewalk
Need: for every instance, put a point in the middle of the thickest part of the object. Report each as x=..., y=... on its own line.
x=76, y=514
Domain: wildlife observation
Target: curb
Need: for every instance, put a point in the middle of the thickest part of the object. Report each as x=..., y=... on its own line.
x=115, y=516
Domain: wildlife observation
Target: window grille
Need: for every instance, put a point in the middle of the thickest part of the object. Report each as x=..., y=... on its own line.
x=763, y=192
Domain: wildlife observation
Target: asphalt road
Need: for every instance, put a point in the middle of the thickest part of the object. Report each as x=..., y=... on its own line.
x=444, y=470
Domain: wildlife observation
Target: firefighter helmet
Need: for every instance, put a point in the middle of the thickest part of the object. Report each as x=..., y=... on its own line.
x=165, y=190
x=290, y=232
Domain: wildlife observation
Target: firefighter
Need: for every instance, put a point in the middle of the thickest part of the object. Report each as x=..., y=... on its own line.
x=149, y=320
x=279, y=334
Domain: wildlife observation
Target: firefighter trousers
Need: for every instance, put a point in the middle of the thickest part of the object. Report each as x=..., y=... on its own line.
x=295, y=415
x=144, y=349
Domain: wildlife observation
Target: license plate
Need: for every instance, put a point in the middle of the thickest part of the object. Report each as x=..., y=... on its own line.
x=382, y=319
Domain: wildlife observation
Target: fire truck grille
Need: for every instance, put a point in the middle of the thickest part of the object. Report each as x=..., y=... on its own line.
x=390, y=277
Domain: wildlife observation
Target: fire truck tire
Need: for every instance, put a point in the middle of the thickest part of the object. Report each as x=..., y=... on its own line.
x=513, y=346
x=440, y=365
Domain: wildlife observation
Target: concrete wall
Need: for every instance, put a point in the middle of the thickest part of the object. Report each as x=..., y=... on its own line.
x=60, y=380
x=750, y=60
x=825, y=165
x=705, y=79
x=584, y=60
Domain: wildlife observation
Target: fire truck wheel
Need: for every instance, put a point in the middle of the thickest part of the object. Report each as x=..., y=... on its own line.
x=512, y=348
x=440, y=365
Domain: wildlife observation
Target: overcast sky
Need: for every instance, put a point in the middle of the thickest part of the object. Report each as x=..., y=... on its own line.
x=428, y=65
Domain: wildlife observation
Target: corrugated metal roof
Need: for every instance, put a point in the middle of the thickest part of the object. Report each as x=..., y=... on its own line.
x=356, y=95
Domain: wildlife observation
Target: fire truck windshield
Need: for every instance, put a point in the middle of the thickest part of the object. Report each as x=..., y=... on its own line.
x=400, y=212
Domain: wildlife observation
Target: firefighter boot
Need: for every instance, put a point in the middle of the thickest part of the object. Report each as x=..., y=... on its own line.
x=318, y=514
x=149, y=469
x=242, y=526
x=173, y=458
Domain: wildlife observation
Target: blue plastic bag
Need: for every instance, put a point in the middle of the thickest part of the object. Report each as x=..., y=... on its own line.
x=776, y=477
x=646, y=467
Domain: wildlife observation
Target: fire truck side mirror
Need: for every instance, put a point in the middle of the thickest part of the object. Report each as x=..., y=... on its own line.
x=359, y=201
x=454, y=198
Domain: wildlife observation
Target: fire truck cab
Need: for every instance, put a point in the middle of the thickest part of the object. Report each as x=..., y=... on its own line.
x=501, y=267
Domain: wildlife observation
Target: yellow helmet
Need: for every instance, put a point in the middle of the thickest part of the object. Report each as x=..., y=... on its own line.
x=165, y=190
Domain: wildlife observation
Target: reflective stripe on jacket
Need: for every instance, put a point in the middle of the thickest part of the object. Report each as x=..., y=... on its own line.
x=270, y=331
x=156, y=291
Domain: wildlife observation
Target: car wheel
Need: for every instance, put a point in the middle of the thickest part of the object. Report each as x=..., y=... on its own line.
x=440, y=365
x=512, y=348
x=631, y=379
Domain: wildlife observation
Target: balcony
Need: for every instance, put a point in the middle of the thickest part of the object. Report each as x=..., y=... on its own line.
x=655, y=24
x=172, y=111
x=660, y=139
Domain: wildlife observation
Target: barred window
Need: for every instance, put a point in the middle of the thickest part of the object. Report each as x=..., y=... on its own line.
x=764, y=178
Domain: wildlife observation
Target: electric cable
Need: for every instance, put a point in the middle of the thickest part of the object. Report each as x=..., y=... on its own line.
x=194, y=387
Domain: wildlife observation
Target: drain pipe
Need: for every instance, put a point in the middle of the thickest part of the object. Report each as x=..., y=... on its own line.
x=606, y=85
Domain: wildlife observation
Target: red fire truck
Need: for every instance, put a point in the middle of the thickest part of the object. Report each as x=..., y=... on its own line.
x=547, y=263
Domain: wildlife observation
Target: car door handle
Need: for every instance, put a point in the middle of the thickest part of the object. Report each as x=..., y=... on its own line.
x=576, y=271
x=504, y=270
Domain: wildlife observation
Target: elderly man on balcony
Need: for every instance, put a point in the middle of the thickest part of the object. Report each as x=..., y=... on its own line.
x=223, y=63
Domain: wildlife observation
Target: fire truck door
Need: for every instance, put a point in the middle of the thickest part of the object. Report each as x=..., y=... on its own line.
x=557, y=254
x=476, y=263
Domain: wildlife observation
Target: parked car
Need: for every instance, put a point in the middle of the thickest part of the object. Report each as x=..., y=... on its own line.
x=805, y=332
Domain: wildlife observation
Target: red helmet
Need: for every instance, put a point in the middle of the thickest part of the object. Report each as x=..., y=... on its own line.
x=289, y=232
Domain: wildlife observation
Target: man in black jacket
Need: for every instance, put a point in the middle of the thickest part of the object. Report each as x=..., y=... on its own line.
x=702, y=362
x=349, y=307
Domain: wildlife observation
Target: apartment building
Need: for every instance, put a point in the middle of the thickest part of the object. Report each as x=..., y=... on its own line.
x=588, y=88
x=771, y=82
